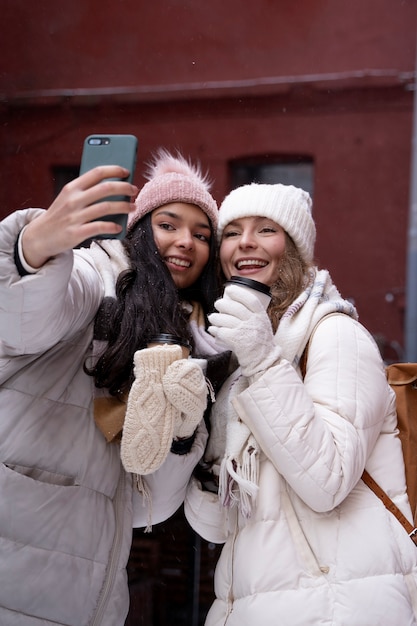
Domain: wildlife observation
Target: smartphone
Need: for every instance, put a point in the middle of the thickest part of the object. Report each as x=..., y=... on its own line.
x=111, y=150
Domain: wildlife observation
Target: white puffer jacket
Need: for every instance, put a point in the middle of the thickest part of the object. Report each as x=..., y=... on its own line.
x=65, y=500
x=319, y=548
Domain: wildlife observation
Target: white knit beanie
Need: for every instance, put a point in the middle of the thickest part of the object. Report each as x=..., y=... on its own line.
x=174, y=179
x=288, y=206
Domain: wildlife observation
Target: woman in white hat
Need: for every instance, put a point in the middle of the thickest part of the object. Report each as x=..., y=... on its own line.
x=74, y=329
x=307, y=409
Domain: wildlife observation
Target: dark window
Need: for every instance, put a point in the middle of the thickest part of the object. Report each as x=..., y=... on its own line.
x=297, y=171
x=63, y=174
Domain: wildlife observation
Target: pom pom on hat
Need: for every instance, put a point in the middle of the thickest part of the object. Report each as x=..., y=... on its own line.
x=174, y=179
x=288, y=206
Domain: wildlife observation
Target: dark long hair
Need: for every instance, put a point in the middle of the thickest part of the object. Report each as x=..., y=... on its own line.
x=147, y=303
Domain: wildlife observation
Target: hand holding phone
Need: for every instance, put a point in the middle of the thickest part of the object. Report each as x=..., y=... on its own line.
x=111, y=150
x=74, y=218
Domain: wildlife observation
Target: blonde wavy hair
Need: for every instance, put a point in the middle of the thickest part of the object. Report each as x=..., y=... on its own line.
x=293, y=278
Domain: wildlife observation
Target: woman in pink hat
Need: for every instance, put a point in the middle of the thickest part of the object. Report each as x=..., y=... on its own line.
x=80, y=391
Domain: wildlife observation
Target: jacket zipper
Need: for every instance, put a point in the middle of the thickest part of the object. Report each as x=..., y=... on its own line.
x=114, y=554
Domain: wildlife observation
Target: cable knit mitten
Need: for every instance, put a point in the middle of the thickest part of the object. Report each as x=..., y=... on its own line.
x=185, y=387
x=150, y=418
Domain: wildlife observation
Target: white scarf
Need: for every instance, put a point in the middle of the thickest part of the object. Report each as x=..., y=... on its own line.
x=239, y=469
x=110, y=259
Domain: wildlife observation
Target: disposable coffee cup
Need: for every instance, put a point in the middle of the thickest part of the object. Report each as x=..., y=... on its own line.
x=260, y=289
x=167, y=339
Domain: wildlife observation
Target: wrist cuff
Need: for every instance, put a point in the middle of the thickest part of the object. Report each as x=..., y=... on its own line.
x=22, y=267
x=183, y=446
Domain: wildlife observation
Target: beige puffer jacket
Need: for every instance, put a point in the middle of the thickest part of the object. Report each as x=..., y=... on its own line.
x=66, y=502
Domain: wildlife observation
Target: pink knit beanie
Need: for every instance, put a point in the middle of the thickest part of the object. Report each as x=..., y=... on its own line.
x=174, y=179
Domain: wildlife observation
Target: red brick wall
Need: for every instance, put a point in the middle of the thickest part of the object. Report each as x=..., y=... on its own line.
x=133, y=42
x=326, y=79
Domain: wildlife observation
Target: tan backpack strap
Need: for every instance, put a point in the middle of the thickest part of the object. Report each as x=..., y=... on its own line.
x=367, y=478
x=389, y=504
x=303, y=361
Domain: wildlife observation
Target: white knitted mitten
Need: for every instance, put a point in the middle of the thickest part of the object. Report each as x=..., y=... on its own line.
x=243, y=325
x=185, y=387
x=149, y=422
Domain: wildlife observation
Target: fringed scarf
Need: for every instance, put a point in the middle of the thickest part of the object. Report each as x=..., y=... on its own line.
x=239, y=452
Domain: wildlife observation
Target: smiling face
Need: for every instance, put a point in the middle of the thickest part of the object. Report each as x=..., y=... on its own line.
x=182, y=235
x=252, y=247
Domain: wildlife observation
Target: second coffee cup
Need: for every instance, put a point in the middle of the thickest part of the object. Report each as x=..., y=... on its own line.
x=166, y=338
